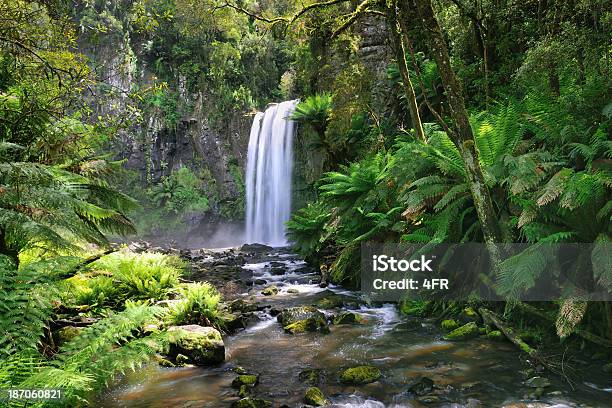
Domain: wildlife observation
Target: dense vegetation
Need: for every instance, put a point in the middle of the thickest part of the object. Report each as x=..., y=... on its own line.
x=491, y=123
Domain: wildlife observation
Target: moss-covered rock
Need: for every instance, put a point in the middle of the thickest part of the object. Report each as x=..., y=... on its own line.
x=310, y=376
x=250, y=402
x=245, y=379
x=467, y=331
x=312, y=324
x=360, y=375
x=270, y=290
x=314, y=396
x=449, y=325
x=495, y=335
x=348, y=318
x=67, y=333
x=330, y=302
x=244, y=391
x=202, y=345
x=468, y=315
x=301, y=319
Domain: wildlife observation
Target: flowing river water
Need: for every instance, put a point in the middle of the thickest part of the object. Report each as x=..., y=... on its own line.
x=474, y=373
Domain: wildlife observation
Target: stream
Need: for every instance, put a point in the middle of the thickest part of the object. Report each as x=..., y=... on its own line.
x=474, y=373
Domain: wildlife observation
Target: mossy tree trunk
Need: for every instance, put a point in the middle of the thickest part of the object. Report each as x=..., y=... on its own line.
x=395, y=35
x=461, y=131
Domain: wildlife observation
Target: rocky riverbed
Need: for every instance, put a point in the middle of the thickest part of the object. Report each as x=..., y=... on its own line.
x=291, y=341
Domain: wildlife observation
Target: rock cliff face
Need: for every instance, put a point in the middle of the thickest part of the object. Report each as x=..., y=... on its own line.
x=154, y=147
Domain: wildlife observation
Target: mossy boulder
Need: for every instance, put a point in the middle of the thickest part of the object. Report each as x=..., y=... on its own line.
x=348, y=318
x=250, y=380
x=243, y=392
x=302, y=319
x=270, y=290
x=202, y=345
x=250, y=402
x=310, y=376
x=449, y=325
x=330, y=302
x=360, y=375
x=314, y=396
x=67, y=333
x=312, y=324
x=242, y=306
x=469, y=315
x=467, y=331
x=421, y=386
x=495, y=335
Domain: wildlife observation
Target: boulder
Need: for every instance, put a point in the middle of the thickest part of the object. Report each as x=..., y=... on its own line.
x=270, y=291
x=330, y=302
x=537, y=382
x=303, y=319
x=467, y=331
x=67, y=333
x=469, y=315
x=201, y=345
x=250, y=402
x=250, y=380
x=310, y=376
x=348, y=318
x=255, y=248
x=315, y=397
x=421, y=386
x=242, y=306
x=360, y=375
x=278, y=270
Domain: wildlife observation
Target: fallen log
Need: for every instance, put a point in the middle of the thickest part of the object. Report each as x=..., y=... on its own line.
x=511, y=335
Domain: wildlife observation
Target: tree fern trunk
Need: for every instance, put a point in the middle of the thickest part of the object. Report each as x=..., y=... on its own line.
x=461, y=131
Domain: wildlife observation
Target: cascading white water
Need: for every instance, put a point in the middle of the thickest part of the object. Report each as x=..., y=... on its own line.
x=268, y=175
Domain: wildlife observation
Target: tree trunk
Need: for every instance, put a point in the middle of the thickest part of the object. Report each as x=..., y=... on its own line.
x=400, y=56
x=461, y=131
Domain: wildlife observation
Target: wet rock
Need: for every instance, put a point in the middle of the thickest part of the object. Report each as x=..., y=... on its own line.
x=250, y=402
x=449, y=325
x=243, y=392
x=293, y=290
x=360, y=375
x=255, y=248
x=231, y=322
x=314, y=396
x=330, y=302
x=310, y=376
x=276, y=264
x=239, y=370
x=303, y=319
x=495, y=335
x=242, y=306
x=277, y=271
x=348, y=318
x=467, y=331
x=260, y=281
x=270, y=290
x=421, y=386
x=250, y=380
x=202, y=345
x=537, y=382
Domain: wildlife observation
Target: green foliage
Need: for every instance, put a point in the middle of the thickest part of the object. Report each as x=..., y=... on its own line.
x=197, y=304
x=124, y=275
x=314, y=111
x=306, y=228
x=179, y=192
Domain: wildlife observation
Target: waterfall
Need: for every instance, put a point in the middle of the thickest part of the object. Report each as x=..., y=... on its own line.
x=268, y=175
